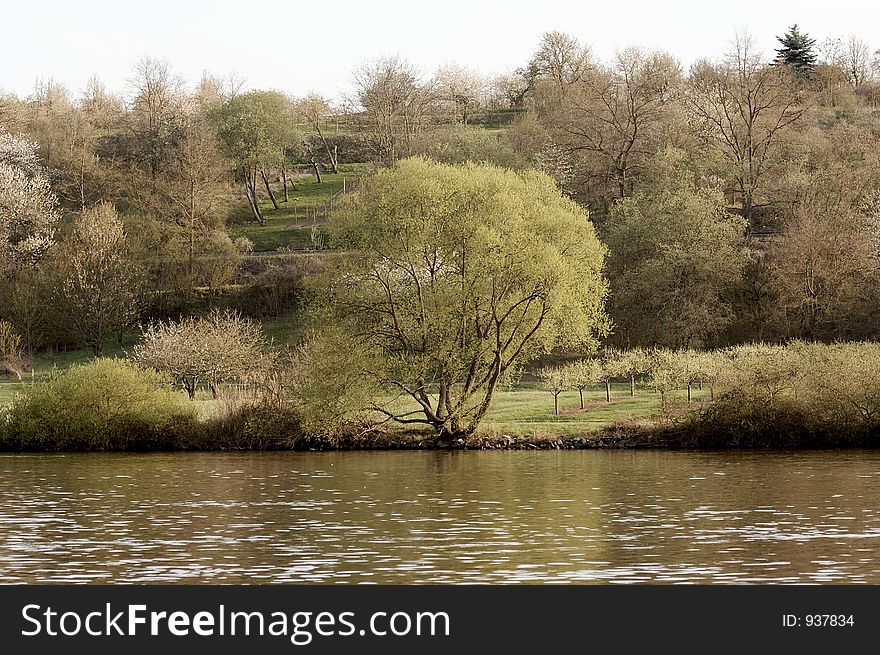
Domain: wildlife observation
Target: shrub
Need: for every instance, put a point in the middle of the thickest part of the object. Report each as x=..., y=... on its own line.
x=108, y=404
x=12, y=358
x=250, y=427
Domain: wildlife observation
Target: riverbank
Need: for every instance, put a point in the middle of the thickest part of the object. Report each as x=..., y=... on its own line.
x=657, y=436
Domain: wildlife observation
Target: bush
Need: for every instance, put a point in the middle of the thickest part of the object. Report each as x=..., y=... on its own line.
x=12, y=358
x=108, y=404
x=250, y=427
x=277, y=285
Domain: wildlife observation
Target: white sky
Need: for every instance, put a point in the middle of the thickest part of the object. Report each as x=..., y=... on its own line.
x=297, y=46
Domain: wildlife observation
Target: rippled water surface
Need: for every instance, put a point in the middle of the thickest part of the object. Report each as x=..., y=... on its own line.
x=441, y=517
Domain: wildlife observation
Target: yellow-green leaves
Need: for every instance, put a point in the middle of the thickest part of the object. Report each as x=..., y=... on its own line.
x=455, y=273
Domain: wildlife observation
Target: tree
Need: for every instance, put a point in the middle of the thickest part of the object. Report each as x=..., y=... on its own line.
x=187, y=191
x=857, y=62
x=823, y=270
x=316, y=110
x=12, y=359
x=394, y=106
x=675, y=256
x=512, y=87
x=460, y=89
x=254, y=129
x=560, y=60
x=630, y=363
x=615, y=115
x=95, y=284
x=797, y=51
x=216, y=348
x=455, y=275
x=584, y=373
x=665, y=372
x=28, y=208
x=155, y=107
x=741, y=108
x=556, y=379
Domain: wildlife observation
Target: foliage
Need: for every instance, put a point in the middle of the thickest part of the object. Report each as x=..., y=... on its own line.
x=555, y=379
x=28, y=208
x=675, y=253
x=325, y=384
x=12, y=357
x=455, y=274
x=94, y=283
x=216, y=348
x=109, y=404
x=797, y=51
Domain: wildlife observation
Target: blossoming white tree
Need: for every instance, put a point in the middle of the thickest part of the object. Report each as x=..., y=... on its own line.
x=28, y=208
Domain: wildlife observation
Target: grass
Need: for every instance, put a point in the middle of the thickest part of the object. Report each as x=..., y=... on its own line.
x=291, y=225
x=526, y=410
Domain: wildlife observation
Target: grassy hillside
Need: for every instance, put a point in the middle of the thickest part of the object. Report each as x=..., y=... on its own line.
x=291, y=226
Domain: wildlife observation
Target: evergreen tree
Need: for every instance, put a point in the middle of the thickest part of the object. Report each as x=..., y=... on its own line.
x=797, y=51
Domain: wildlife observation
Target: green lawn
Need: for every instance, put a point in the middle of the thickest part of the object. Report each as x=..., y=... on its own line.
x=526, y=410
x=291, y=226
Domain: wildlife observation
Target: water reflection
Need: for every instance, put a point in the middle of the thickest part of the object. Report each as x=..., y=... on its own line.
x=580, y=517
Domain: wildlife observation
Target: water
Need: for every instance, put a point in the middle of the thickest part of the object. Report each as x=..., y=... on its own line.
x=441, y=517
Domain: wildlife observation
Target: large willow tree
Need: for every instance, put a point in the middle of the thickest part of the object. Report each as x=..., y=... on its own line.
x=453, y=276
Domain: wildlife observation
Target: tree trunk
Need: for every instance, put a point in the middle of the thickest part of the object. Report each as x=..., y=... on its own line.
x=82, y=182
x=317, y=172
x=632, y=385
x=250, y=190
x=689, y=393
x=581, y=392
x=284, y=182
x=192, y=233
x=269, y=189
x=607, y=391
x=555, y=404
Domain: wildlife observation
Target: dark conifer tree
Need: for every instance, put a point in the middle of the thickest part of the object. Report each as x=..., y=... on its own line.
x=797, y=51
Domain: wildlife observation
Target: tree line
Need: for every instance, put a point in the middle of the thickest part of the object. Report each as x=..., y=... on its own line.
x=569, y=204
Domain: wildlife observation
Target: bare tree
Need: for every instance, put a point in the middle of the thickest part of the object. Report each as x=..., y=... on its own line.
x=857, y=61
x=741, y=108
x=614, y=113
x=823, y=267
x=155, y=107
x=561, y=60
x=315, y=110
x=189, y=188
x=395, y=105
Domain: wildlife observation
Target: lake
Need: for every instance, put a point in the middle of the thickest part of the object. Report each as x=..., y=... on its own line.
x=442, y=517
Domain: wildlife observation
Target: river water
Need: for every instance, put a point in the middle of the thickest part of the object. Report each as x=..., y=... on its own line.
x=442, y=517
